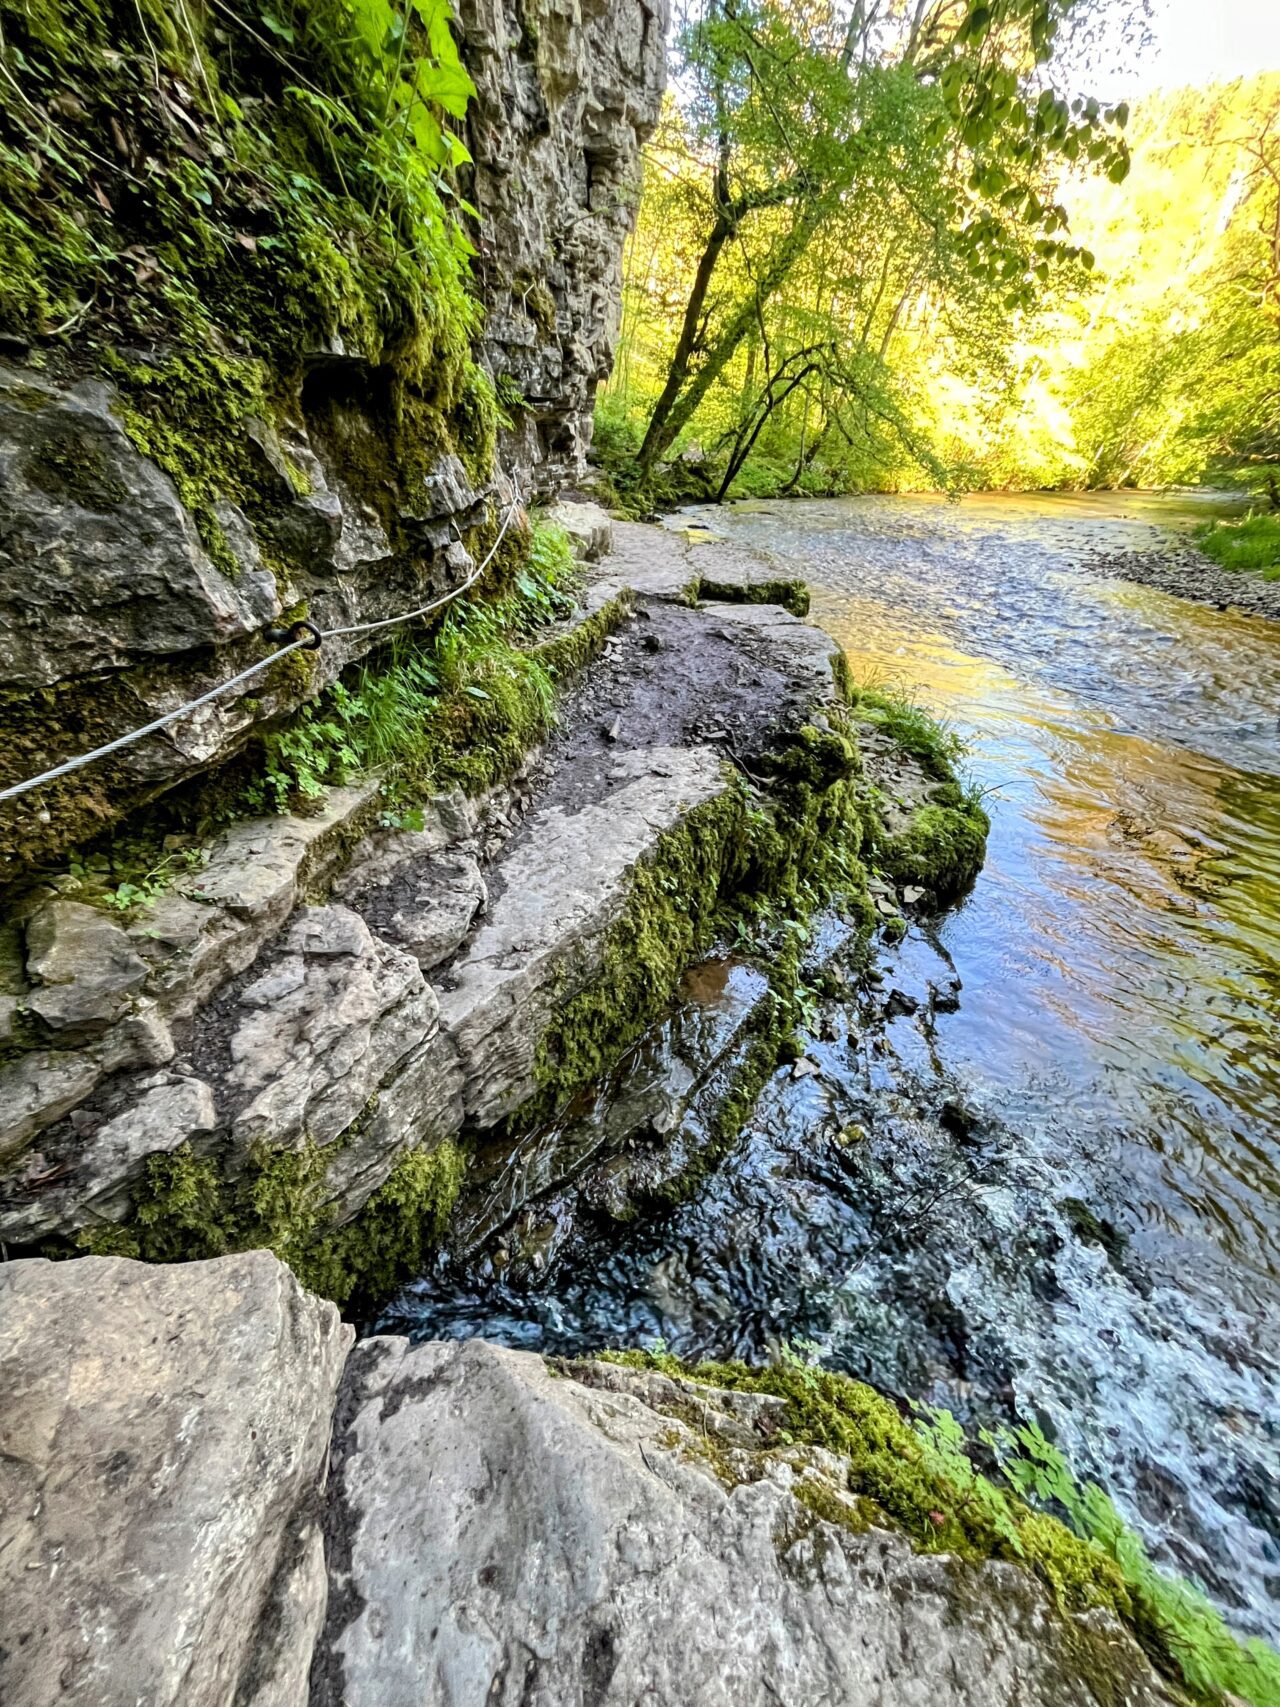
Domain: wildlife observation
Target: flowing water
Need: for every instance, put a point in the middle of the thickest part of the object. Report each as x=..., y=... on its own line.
x=1058, y=1196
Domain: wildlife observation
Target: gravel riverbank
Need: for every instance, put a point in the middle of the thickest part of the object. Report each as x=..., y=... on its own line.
x=1188, y=573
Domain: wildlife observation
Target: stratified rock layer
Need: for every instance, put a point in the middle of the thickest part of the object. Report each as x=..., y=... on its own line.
x=567, y=94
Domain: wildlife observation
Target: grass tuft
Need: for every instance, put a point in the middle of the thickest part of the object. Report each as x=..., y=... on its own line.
x=1252, y=543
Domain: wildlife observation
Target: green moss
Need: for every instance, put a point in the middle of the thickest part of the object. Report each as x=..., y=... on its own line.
x=568, y=654
x=791, y=594
x=394, y=1234
x=189, y=1207
x=941, y=849
x=670, y=917
x=729, y=861
x=75, y=471
x=896, y=1474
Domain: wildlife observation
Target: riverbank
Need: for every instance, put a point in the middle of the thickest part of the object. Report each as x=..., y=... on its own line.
x=1186, y=572
x=715, y=778
x=300, y=1040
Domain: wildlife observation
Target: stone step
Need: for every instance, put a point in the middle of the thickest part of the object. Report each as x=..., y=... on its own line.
x=421, y=990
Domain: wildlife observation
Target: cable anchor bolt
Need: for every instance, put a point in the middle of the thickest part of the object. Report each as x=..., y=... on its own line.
x=301, y=633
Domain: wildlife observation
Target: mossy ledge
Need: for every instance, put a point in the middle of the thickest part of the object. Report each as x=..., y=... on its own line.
x=785, y=850
x=190, y=1209
x=896, y=1480
x=753, y=862
x=792, y=594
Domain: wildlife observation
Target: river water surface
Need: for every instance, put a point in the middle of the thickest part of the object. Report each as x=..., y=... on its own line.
x=1060, y=1198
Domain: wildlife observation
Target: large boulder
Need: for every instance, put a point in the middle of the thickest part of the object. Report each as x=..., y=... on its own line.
x=504, y=1533
x=163, y=1448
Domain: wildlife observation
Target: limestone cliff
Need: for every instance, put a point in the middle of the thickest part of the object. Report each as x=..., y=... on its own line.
x=566, y=92
x=259, y=404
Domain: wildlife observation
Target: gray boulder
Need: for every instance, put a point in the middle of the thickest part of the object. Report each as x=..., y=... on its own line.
x=504, y=1535
x=324, y=1026
x=162, y=1451
x=83, y=966
x=94, y=1178
x=565, y=883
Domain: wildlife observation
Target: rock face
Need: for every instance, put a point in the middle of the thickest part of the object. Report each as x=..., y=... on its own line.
x=500, y=1534
x=162, y=1451
x=111, y=593
x=202, y=1504
x=100, y=565
x=567, y=94
x=322, y=983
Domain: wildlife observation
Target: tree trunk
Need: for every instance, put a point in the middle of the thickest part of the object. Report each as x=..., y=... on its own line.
x=678, y=402
x=656, y=438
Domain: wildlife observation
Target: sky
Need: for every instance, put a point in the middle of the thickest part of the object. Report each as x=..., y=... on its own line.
x=1210, y=41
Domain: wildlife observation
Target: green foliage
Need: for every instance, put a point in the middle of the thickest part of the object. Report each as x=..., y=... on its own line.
x=929, y=739
x=123, y=883
x=195, y=199
x=463, y=708
x=1253, y=543
x=1171, y=1615
x=190, y=1207
x=829, y=187
x=920, y=1476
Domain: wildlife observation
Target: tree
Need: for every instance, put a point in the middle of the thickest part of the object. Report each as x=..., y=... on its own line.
x=807, y=117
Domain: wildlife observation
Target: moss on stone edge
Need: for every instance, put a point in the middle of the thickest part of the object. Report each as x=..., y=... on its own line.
x=943, y=845
x=189, y=1209
x=790, y=593
x=726, y=859
x=568, y=654
x=941, y=849
x=890, y=1476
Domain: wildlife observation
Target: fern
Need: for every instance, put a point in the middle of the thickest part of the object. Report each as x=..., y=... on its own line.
x=1169, y=1609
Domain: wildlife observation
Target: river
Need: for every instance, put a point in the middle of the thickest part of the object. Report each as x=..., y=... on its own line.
x=1061, y=1199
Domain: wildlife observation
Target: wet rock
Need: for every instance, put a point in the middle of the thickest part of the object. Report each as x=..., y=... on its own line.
x=1188, y=574
x=674, y=1562
x=162, y=1450
x=83, y=965
x=325, y=1025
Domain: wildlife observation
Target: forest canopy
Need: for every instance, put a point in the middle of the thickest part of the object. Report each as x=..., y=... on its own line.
x=890, y=247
